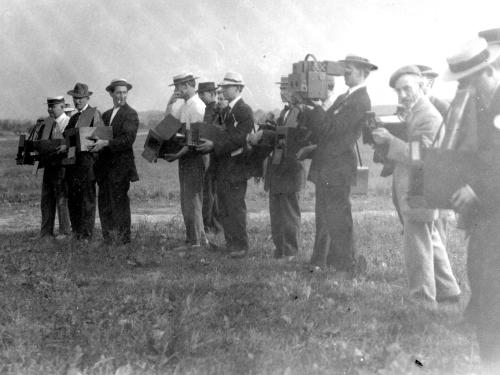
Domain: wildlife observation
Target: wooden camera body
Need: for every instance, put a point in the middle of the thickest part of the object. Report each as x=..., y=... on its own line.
x=289, y=141
x=79, y=139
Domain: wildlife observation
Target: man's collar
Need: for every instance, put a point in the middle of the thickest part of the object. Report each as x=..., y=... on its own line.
x=234, y=101
x=61, y=118
x=84, y=108
x=354, y=88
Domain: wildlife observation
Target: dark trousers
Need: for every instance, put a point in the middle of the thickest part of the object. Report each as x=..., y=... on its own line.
x=81, y=200
x=54, y=197
x=233, y=213
x=484, y=271
x=210, y=210
x=333, y=243
x=114, y=209
x=191, y=171
x=284, y=211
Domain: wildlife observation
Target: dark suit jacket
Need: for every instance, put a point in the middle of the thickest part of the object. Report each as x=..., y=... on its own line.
x=117, y=160
x=237, y=124
x=334, y=161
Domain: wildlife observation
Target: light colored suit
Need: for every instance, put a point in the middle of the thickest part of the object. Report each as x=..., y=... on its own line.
x=427, y=264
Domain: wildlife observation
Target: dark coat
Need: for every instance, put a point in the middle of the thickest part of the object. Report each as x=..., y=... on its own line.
x=233, y=161
x=117, y=160
x=290, y=175
x=211, y=113
x=334, y=161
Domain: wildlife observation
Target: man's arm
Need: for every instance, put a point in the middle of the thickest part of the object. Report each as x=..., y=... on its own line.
x=126, y=137
x=236, y=138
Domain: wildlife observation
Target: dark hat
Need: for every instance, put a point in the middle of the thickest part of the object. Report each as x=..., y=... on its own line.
x=182, y=78
x=407, y=69
x=359, y=60
x=492, y=35
x=81, y=90
x=473, y=56
x=206, y=86
x=427, y=71
x=118, y=82
x=55, y=100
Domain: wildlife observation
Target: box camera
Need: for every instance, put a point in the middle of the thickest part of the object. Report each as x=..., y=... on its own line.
x=388, y=117
x=79, y=139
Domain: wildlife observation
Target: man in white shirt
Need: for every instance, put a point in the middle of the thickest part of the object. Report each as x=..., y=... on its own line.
x=191, y=162
x=54, y=189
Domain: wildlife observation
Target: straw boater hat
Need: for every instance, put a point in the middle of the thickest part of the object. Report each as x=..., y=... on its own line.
x=206, y=86
x=118, y=82
x=55, y=100
x=492, y=36
x=407, y=69
x=473, y=56
x=182, y=78
x=359, y=60
x=232, y=79
x=81, y=90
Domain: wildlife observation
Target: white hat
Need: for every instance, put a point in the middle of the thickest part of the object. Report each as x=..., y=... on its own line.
x=473, y=56
x=182, y=78
x=232, y=79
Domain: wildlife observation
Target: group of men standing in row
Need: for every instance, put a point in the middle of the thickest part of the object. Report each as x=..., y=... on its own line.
x=108, y=163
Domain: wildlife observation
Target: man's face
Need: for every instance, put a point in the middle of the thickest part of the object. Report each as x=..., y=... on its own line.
x=207, y=96
x=183, y=90
x=285, y=95
x=80, y=103
x=231, y=92
x=221, y=101
x=55, y=110
x=119, y=95
x=428, y=82
x=353, y=75
x=408, y=87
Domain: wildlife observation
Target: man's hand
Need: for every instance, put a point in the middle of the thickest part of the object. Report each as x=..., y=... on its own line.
x=205, y=146
x=98, y=145
x=174, y=97
x=463, y=198
x=381, y=136
x=61, y=149
x=305, y=152
x=173, y=157
x=254, y=138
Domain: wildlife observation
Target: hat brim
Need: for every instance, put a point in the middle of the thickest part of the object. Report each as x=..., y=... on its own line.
x=110, y=87
x=184, y=80
x=448, y=75
x=367, y=64
x=75, y=95
x=229, y=83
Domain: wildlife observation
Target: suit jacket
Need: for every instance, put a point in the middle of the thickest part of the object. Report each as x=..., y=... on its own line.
x=117, y=160
x=334, y=161
x=423, y=123
x=233, y=160
x=290, y=175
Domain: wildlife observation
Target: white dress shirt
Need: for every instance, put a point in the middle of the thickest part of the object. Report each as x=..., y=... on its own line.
x=193, y=110
x=60, y=125
x=115, y=109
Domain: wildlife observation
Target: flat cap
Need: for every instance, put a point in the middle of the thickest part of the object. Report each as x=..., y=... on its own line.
x=407, y=69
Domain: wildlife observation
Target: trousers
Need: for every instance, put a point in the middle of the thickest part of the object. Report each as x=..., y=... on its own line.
x=54, y=198
x=284, y=210
x=233, y=213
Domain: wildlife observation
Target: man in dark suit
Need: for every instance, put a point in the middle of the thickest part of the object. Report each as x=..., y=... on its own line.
x=115, y=168
x=80, y=177
x=232, y=165
x=333, y=169
x=477, y=66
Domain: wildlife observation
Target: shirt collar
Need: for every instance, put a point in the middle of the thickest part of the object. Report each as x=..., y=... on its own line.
x=234, y=101
x=84, y=108
x=354, y=88
x=61, y=118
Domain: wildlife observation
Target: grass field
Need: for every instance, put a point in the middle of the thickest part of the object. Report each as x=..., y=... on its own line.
x=69, y=308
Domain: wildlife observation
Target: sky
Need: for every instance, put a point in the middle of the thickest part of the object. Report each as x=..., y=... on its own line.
x=49, y=45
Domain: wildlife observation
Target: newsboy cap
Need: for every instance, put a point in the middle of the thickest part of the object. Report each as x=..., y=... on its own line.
x=407, y=69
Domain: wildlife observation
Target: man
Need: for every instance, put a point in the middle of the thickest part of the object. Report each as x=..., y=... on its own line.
x=429, y=77
x=477, y=66
x=191, y=163
x=69, y=110
x=207, y=93
x=54, y=190
x=80, y=177
x=333, y=169
x=115, y=167
x=284, y=179
x=222, y=107
x=427, y=266
x=232, y=168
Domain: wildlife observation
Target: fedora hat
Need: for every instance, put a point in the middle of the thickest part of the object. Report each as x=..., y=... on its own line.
x=206, y=86
x=492, y=35
x=407, y=69
x=118, y=82
x=472, y=56
x=232, y=79
x=427, y=71
x=55, y=100
x=359, y=60
x=81, y=90
x=182, y=78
